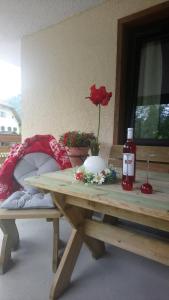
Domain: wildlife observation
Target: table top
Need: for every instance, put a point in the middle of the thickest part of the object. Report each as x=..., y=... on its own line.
x=155, y=205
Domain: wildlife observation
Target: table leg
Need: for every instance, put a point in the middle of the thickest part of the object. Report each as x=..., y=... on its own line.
x=76, y=217
x=96, y=247
x=10, y=242
x=63, y=274
x=55, y=261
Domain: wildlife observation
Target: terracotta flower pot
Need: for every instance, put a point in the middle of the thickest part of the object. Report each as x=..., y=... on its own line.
x=77, y=155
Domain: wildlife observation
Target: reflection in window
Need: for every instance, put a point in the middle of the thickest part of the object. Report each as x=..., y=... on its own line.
x=152, y=122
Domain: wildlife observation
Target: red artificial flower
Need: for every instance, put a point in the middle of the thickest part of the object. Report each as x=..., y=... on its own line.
x=99, y=96
x=79, y=176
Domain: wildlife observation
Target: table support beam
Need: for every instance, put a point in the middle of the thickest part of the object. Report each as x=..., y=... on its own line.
x=135, y=242
x=139, y=218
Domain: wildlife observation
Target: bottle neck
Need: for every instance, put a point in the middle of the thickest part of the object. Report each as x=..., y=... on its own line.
x=130, y=134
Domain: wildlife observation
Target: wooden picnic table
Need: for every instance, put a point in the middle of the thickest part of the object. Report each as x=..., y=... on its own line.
x=77, y=202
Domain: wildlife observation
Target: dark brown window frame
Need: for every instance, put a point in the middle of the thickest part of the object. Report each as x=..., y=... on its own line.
x=125, y=25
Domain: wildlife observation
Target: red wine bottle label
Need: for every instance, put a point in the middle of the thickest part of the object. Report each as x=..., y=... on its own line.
x=128, y=164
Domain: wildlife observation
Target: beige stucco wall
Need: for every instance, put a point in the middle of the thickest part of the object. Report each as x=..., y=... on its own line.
x=60, y=63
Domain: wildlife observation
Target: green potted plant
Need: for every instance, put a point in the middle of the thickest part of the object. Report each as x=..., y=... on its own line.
x=77, y=145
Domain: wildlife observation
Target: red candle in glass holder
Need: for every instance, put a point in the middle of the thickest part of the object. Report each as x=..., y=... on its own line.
x=146, y=188
x=127, y=184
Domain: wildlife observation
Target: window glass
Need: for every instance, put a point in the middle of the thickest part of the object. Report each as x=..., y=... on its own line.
x=151, y=119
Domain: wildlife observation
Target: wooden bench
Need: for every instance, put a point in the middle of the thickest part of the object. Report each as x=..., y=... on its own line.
x=11, y=236
x=159, y=157
x=7, y=217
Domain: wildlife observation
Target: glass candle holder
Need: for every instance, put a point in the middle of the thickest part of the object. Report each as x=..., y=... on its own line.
x=146, y=188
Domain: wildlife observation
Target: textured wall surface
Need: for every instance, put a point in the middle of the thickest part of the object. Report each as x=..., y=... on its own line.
x=60, y=63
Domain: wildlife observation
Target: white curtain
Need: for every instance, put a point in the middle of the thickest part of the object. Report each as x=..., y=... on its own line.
x=150, y=84
x=150, y=75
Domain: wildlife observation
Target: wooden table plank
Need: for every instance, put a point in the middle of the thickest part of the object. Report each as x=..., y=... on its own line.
x=119, y=213
x=156, y=205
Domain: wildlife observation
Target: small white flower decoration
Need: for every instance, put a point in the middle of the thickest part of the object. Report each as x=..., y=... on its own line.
x=106, y=176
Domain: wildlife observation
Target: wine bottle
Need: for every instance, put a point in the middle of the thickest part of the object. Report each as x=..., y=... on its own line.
x=129, y=158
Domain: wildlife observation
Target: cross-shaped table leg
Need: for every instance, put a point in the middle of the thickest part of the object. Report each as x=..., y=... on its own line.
x=76, y=217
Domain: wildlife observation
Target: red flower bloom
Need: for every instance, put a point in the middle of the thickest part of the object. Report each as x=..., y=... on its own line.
x=79, y=176
x=99, y=96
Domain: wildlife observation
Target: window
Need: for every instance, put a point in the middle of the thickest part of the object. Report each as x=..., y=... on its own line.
x=2, y=128
x=149, y=62
x=142, y=89
x=9, y=129
x=14, y=129
x=2, y=114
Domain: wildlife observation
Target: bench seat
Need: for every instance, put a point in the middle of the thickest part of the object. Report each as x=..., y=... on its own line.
x=41, y=213
x=10, y=240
